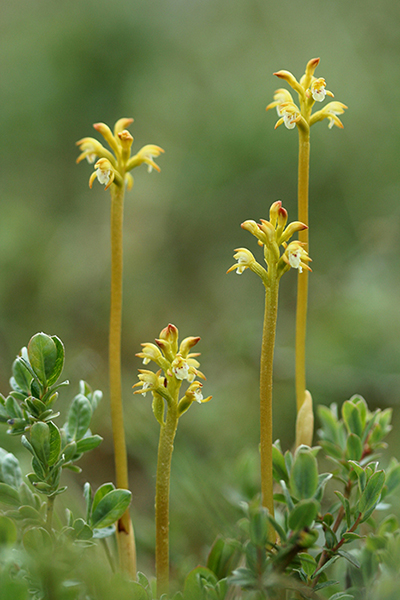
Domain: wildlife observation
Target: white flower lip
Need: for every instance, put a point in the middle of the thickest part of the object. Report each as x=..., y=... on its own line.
x=294, y=260
x=181, y=372
x=198, y=396
x=103, y=176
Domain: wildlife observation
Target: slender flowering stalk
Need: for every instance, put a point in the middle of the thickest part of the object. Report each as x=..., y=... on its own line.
x=309, y=90
x=176, y=365
x=271, y=235
x=112, y=171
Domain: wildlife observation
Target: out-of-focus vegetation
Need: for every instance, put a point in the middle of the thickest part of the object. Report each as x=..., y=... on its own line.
x=196, y=76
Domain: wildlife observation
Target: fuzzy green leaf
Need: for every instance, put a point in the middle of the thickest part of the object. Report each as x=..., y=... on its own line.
x=88, y=443
x=8, y=532
x=303, y=514
x=79, y=417
x=304, y=475
x=59, y=362
x=42, y=353
x=10, y=471
x=9, y=495
x=372, y=492
x=354, y=448
x=36, y=541
x=21, y=375
x=279, y=465
x=110, y=508
x=352, y=418
x=195, y=580
x=104, y=489
x=40, y=440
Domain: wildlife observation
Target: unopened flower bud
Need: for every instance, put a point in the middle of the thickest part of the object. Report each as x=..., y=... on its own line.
x=187, y=344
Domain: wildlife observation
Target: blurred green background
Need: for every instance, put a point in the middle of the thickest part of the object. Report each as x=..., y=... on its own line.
x=196, y=76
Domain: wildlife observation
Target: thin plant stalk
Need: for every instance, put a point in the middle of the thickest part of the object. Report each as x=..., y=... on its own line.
x=49, y=512
x=178, y=364
x=165, y=449
x=125, y=533
x=302, y=278
x=266, y=379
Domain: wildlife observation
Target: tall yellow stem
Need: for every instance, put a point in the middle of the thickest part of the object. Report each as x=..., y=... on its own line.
x=165, y=448
x=266, y=374
x=125, y=534
x=302, y=279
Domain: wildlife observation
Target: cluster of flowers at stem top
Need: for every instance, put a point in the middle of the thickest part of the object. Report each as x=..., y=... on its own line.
x=176, y=364
x=309, y=90
x=114, y=167
x=271, y=235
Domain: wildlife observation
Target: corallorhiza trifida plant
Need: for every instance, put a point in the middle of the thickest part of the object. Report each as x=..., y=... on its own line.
x=112, y=169
x=177, y=364
x=309, y=91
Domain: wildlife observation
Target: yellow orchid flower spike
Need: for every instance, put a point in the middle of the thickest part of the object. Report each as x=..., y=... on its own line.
x=310, y=90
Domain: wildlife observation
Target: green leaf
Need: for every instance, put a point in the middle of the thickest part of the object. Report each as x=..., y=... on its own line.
x=13, y=409
x=346, y=506
x=28, y=512
x=325, y=566
x=352, y=418
x=69, y=451
x=303, y=514
x=137, y=592
x=37, y=541
x=10, y=471
x=35, y=406
x=26, y=495
x=372, y=492
x=329, y=424
x=82, y=530
x=350, y=536
x=328, y=583
x=259, y=526
x=88, y=443
x=110, y=508
x=79, y=417
x=194, y=582
x=349, y=557
x=362, y=478
x=392, y=479
x=59, y=363
x=322, y=481
x=55, y=443
x=8, y=532
x=287, y=496
x=21, y=375
x=341, y=596
x=307, y=562
x=40, y=441
x=279, y=465
x=9, y=495
x=222, y=555
x=104, y=489
x=243, y=577
x=354, y=448
x=42, y=353
x=279, y=530
x=304, y=475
